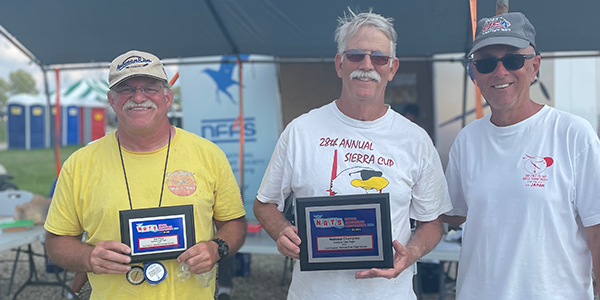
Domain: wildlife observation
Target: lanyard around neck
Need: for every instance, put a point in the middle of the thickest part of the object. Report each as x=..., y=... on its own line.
x=164, y=173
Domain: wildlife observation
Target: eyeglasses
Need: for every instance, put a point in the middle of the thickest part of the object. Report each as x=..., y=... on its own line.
x=357, y=55
x=510, y=61
x=146, y=90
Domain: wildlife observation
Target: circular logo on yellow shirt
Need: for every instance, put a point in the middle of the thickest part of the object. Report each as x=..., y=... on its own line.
x=181, y=183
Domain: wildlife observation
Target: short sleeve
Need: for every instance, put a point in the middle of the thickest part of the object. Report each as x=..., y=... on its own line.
x=64, y=215
x=430, y=193
x=587, y=184
x=276, y=184
x=455, y=187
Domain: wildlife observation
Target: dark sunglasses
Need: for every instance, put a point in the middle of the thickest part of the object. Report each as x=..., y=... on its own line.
x=510, y=62
x=357, y=55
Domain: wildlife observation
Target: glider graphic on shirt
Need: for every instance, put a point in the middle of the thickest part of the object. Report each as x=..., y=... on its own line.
x=354, y=180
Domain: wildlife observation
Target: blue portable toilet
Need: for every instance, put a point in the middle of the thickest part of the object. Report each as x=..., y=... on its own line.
x=72, y=126
x=37, y=122
x=15, y=128
x=26, y=122
x=82, y=105
x=69, y=119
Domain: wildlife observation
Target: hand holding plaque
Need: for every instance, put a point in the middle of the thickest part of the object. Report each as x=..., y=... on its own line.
x=109, y=257
x=402, y=260
x=288, y=242
x=200, y=258
x=158, y=233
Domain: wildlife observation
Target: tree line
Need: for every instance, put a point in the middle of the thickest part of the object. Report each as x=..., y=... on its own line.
x=19, y=82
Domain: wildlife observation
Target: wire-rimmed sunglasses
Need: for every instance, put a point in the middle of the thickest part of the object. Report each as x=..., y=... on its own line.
x=146, y=90
x=510, y=62
x=357, y=55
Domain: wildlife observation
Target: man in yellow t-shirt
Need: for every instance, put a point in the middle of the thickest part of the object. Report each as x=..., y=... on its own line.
x=146, y=163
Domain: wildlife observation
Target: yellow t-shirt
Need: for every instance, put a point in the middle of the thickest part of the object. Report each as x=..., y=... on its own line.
x=91, y=191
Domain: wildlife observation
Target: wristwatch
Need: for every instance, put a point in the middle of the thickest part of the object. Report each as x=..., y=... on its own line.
x=223, y=247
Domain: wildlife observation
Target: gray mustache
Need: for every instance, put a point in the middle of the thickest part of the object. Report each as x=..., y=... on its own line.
x=131, y=104
x=370, y=74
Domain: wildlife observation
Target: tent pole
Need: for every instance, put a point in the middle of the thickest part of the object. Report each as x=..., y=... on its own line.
x=48, y=120
x=501, y=7
x=468, y=40
x=57, y=127
x=478, y=106
x=242, y=137
x=21, y=48
x=34, y=59
x=464, y=104
x=235, y=51
x=54, y=126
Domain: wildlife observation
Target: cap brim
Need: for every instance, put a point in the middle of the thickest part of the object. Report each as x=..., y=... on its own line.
x=510, y=41
x=135, y=75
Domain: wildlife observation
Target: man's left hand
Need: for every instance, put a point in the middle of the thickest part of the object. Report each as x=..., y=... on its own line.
x=201, y=257
x=403, y=258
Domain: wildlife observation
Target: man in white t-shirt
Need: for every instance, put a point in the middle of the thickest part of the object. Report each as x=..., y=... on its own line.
x=525, y=179
x=358, y=145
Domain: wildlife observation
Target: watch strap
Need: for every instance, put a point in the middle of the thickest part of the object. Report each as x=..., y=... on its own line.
x=223, y=248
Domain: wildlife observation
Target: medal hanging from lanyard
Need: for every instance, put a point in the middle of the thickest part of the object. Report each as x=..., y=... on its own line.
x=153, y=272
x=135, y=275
x=162, y=187
x=155, y=234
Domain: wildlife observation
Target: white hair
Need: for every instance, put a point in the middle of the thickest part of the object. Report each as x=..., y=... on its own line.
x=352, y=22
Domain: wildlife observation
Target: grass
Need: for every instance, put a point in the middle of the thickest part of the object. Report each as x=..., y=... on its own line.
x=2, y=131
x=34, y=170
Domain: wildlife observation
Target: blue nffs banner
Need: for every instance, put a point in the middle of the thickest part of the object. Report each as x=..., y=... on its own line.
x=210, y=94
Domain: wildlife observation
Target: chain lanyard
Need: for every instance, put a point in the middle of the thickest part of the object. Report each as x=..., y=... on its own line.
x=164, y=173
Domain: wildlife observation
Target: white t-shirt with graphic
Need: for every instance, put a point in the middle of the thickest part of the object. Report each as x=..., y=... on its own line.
x=528, y=190
x=325, y=152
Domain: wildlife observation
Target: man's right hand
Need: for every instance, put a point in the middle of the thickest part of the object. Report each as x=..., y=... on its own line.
x=110, y=257
x=279, y=228
x=288, y=242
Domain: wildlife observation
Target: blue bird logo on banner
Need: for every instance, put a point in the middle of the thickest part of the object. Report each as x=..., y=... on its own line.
x=224, y=76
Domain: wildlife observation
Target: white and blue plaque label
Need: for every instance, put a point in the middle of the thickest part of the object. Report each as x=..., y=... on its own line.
x=157, y=233
x=344, y=232
x=347, y=232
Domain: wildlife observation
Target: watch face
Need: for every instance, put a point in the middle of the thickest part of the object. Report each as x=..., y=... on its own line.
x=222, y=247
x=223, y=250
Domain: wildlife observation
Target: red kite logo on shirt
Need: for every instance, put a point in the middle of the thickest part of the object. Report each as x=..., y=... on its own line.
x=535, y=166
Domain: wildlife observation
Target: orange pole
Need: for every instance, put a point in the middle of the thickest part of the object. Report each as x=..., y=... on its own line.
x=241, y=118
x=57, y=127
x=478, y=105
x=473, y=8
x=174, y=79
